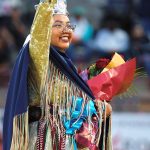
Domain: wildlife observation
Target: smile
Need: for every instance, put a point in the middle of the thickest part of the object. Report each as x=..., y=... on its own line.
x=65, y=38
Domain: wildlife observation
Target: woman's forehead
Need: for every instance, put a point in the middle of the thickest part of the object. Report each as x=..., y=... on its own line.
x=61, y=18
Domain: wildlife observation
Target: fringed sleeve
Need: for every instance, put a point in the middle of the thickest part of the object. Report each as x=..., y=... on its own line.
x=39, y=45
x=39, y=52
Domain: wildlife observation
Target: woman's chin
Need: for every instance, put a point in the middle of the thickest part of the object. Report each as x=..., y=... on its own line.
x=64, y=47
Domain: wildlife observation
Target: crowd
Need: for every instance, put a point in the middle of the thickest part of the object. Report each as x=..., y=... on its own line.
x=124, y=28
x=13, y=31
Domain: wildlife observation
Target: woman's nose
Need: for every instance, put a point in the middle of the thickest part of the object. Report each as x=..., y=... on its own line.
x=66, y=30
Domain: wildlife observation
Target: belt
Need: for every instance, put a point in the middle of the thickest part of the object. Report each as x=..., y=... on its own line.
x=35, y=113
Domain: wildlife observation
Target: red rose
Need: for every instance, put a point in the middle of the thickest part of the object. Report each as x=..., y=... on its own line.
x=102, y=63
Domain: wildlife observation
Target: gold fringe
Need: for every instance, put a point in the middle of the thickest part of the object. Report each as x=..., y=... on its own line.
x=20, y=135
x=104, y=129
x=100, y=119
x=59, y=97
x=109, y=138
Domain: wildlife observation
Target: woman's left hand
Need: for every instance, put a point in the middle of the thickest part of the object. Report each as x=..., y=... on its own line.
x=108, y=107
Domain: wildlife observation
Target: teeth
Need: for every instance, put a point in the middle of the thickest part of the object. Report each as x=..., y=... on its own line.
x=64, y=38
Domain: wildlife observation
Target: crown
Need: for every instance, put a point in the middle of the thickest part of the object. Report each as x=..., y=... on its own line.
x=59, y=8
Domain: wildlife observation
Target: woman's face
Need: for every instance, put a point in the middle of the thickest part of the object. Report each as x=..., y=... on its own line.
x=61, y=32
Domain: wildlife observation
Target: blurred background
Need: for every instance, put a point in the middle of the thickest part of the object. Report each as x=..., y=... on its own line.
x=102, y=28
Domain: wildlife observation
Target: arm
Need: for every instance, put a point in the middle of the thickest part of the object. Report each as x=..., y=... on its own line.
x=40, y=42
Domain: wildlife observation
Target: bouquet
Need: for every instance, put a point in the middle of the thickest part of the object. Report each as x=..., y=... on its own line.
x=97, y=68
x=107, y=78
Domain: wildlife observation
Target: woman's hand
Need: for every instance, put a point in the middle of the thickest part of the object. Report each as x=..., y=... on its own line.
x=108, y=109
x=98, y=105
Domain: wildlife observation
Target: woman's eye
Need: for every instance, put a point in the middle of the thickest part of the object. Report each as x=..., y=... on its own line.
x=69, y=26
x=58, y=25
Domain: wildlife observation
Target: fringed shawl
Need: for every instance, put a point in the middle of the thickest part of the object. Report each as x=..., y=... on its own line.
x=62, y=61
x=17, y=98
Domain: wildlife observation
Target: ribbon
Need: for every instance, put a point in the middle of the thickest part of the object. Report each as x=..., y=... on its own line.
x=75, y=123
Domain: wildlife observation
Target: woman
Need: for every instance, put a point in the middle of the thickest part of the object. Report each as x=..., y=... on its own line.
x=46, y=88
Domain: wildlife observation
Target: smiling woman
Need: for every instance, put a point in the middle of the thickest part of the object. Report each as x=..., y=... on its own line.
x=49, y=106
x=62, y=32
